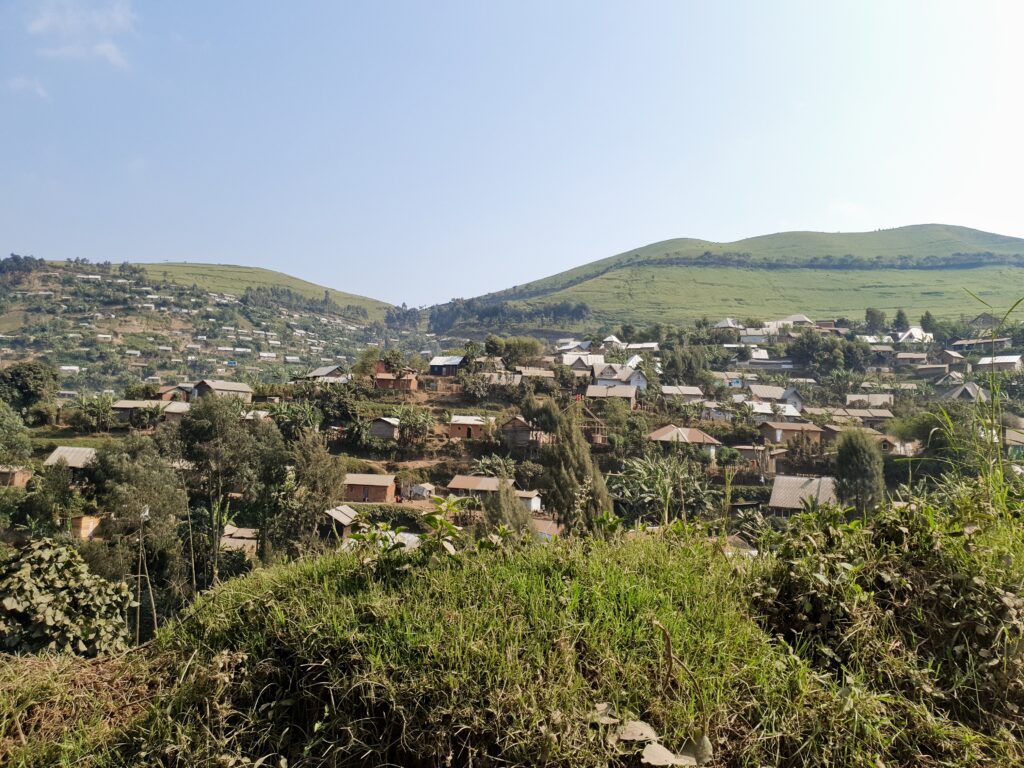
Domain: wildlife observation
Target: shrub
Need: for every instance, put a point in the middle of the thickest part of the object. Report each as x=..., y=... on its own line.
x=52, y=601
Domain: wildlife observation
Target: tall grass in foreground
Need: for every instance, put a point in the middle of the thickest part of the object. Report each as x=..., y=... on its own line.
x=500, y=658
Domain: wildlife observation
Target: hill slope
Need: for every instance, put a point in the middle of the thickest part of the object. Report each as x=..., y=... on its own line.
x=919, y=267
x=228, y=278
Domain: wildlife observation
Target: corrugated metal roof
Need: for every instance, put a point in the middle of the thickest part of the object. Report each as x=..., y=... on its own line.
x=354, y=478
x=789, y=492
x=673, y=434
x=76, y=458
x=343, y=514
x=475, y=483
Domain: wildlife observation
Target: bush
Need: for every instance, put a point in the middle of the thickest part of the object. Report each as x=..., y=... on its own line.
x=915, y=601
x=52, y=601
x=501, y=658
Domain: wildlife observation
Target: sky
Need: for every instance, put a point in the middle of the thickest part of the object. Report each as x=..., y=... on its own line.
x=420, y=151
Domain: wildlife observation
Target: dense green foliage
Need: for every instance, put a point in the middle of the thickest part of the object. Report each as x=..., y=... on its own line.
x=50, y=600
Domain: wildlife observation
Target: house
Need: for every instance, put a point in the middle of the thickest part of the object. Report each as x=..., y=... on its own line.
x=872, y=417
x=686, y=394
x=651, y=347
x=15, y=476
x=931, y=369
x=338, y=522
x=952, y=358
x=612, y=342
x=870, y=399
x=761, y=412
x=612, y=374
x=766, y=392
x=506, y=378
x=780, y=432
x=243, y=540
x=480, y=487
x=328, y=374
x=915, y=334
x=1000, y=364
x=73, y=456
x=519, y=433
x=379, y=489
x=990, y=343
x=222, y=389
x=687, y=435
x=910, y=359
x=405, y=381
x=969, y=392
x=580, y=363
x=169, y=410
x=759, y=459
x=951, y=379
x=469, y=427
x=730, y=379
x=789, y=492
x=83, y=527
x=729, y=323
x=423, y=491
x=622, y=391
x=532, y=372
x=447, y=365
x=174, y=392
x=572, y=345
x=384, y=428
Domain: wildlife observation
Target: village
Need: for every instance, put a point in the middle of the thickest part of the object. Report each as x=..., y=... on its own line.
x=753, y=411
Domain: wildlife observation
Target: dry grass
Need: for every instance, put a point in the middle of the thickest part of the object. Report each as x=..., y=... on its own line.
x=51, y=702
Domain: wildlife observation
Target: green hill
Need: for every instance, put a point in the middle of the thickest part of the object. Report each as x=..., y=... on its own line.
x=921, y=267
x=231, y=279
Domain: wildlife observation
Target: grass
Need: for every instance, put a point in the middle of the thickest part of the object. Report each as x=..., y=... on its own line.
x=498, y=658
x=225, y=278
x=44, y=438
x=674, y=294
x=649, y=284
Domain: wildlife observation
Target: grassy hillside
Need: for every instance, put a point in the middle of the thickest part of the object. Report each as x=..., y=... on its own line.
x=673, y=294
x=227, y=278
x=919, y=267
x=503, y=658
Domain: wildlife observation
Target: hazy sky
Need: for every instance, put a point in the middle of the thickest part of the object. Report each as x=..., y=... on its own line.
x=418, y=151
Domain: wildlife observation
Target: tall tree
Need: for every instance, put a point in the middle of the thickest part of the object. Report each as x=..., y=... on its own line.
x=874, y=319
x=860, y=479
x=576, y=490
x=15, y=444
x=504, y=508
x=901, y=323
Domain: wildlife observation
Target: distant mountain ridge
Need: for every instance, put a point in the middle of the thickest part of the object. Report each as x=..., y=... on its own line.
x=921, y=246
x=927, y=267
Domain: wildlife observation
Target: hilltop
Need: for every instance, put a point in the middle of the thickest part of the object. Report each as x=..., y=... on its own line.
x=922, y=267
x=233, y=279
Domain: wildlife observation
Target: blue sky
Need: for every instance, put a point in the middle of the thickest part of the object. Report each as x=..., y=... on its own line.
x=417, y=151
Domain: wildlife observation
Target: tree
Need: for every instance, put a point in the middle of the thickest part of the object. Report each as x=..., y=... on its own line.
x=576, y=490
x=222, y=450
x=860, y=479
x=316, y=483
x=52, y=601
x=415, y=425
x=22, y=385
x=663, y=488
x=901, y=323
x=495, y=466
x=874, y=319
x=15, y=444
x=142, y=497
x=504, y=509
x=928, y=324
